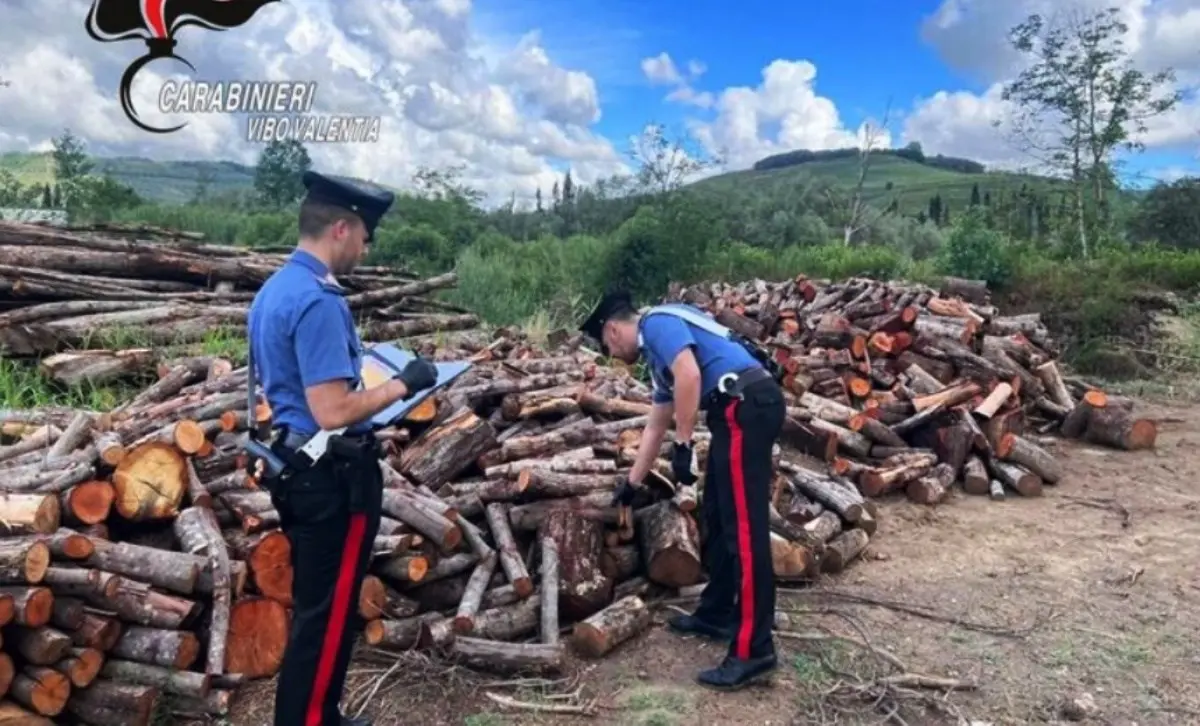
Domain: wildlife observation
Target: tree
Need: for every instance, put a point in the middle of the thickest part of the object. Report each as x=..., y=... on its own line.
x=935, y=209
x=278, y=175
x=665, y=164
x=445, y=184
x=858, y=212
x=1081, y=99
x=70, y=157
x=205, y=176
x=568, y=190
x=1170, y=214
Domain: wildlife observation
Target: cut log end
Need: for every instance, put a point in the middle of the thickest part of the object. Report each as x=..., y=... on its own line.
x=35, y=562
x=258, y=634
x=150, y=482
x=29, y=513
x=189, y=436
x=90, y=502
x=423, y=412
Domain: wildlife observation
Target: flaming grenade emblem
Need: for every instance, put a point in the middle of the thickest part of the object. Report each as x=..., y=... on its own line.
x=156, y=22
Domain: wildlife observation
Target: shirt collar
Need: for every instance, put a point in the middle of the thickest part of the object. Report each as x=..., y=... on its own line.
x=309, y=261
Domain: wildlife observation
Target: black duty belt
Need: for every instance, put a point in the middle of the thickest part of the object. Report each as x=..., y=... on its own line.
x=732, y=385
x=293, y=440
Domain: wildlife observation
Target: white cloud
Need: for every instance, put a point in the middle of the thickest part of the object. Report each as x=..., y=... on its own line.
x=971, y=36
x=661, y=70
x=511, y=119
x=782, y=114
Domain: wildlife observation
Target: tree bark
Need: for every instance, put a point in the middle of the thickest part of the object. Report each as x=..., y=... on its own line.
x=501, y=657
x=670, y=545
x=603, y=631
x=583, y=588
x=444, y=451
x=510, y=557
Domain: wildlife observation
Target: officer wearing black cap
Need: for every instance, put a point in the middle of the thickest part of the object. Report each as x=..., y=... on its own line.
x=306, y=352
x=695, y=363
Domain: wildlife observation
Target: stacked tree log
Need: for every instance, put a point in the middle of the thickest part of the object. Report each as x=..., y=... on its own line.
x=905, y=388
x=85, y=291
x=498, y=532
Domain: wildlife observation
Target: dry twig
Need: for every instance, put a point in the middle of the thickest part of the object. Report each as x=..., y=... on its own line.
x=587, y=709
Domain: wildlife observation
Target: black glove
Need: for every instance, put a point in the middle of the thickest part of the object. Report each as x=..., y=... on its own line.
x=624, y=493
x=418, y=375
x=681, y=463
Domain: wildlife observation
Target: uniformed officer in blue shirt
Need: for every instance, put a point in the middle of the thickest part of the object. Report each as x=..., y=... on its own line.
x=306, y=352
x=694, y=366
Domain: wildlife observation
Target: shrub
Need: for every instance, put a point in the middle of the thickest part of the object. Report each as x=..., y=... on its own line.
x=976, y=252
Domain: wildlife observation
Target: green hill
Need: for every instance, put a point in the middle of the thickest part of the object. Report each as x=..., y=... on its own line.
x=160, y=181
x=910, y=183
x=889, y=177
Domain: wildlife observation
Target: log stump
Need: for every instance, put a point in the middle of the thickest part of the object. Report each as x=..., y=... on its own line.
x=670, y=545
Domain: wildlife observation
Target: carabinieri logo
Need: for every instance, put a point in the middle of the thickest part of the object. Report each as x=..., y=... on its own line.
x=156, y=22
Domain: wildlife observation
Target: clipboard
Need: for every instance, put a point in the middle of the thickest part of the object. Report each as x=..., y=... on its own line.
x=383, y=361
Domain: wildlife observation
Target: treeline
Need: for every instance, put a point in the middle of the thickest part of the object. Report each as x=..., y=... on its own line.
x=912, y=152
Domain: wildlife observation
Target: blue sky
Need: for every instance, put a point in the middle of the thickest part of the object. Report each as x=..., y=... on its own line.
x=509, y=90
x=866, y=53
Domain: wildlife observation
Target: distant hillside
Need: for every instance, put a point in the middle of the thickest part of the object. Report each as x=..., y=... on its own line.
x=912, y=152
x=161, y=181
x=910, y=183
x=893, y=175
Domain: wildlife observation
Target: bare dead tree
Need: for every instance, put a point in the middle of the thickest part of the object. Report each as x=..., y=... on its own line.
x=664, y=163
x=859, y=215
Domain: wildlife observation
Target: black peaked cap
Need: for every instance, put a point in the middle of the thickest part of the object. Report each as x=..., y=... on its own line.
x=611, y=304
x=368, y=201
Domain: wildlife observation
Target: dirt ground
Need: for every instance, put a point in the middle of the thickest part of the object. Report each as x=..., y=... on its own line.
x=1081, y=605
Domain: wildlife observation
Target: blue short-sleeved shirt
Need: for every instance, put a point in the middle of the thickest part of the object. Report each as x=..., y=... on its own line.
x=664, y=336
x=301, y=334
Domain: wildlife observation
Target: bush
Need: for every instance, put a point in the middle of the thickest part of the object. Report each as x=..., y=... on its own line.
x=507, y=283
x=975, y=252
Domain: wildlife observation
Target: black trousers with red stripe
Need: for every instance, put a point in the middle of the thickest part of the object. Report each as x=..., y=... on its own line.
x=331, y=548
x=737, y=499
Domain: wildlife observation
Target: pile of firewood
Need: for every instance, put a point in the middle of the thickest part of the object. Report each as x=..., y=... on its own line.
x=147, y=568
x=83, y=292
x=901, y=387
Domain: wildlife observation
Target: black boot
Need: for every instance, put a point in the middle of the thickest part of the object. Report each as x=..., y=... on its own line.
x=734, y=673
x=692, y=625
x=356, y=721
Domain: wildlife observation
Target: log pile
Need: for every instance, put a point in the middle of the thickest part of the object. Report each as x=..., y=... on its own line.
x=146, y=566
x=146, y=569
x=95, y=304
x=903, y=388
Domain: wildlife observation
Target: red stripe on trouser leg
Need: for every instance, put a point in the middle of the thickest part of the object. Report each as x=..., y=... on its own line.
x=737, y=480
x=336, y=625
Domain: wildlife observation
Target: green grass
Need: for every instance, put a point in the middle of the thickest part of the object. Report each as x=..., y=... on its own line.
x=22, y=385
x=651, y=705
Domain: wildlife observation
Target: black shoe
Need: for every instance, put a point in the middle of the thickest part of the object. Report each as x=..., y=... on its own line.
x=734, y=673
x=356, y=721
x=692, y=625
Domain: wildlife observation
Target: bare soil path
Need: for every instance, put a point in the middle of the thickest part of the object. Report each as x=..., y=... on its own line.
x=1103, y=572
